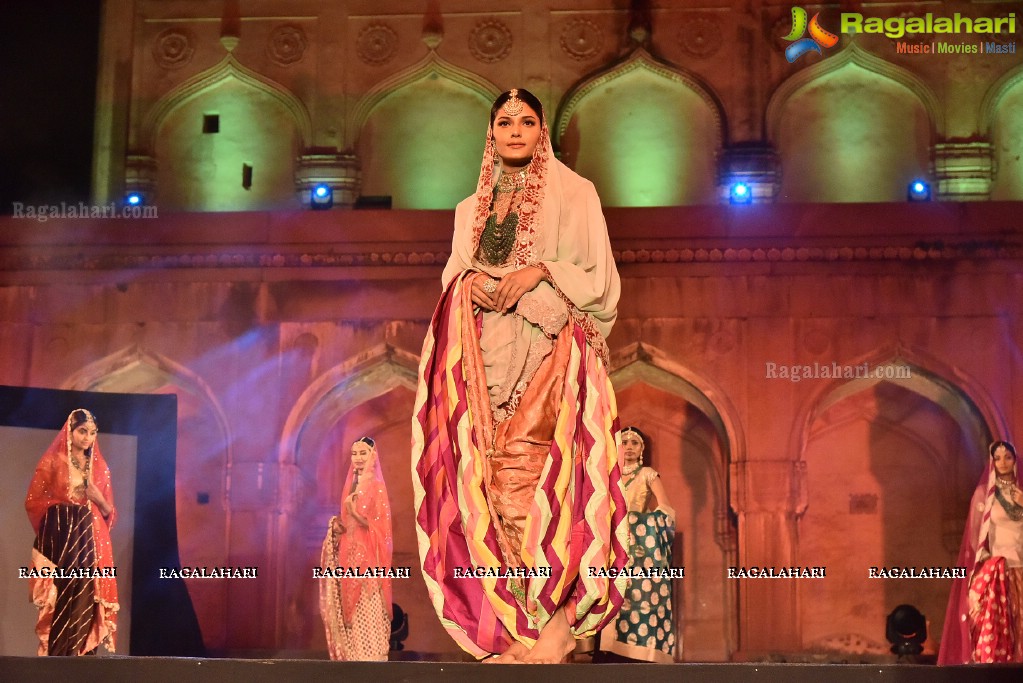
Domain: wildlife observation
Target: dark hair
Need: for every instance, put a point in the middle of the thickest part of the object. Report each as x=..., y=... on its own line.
x=368, y=441
x=79, y=417
x=996, y=444
x=646, y=443
x=524, y=95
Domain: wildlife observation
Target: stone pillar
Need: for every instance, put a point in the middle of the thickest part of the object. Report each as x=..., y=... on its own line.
x=963, y=171
x=768, y=496
x=755, y=164
x=340, y=171
x=113, y=98
x=140, y=176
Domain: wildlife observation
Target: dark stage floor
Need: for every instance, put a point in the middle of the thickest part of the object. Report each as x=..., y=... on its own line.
x=174, y=670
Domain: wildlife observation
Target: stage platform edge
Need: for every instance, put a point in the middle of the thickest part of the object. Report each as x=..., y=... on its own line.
x=180, y=670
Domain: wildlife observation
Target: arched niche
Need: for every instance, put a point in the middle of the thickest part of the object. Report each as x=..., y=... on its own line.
x=373, y=395
x=1002, y=120
x=852, y=128
x=693, y=437
x=420, y=136
x=203, y=458
x=890, y=465
x=227, y=140
x=644, y=133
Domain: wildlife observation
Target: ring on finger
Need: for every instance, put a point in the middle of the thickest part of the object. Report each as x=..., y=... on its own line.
x=490, y=286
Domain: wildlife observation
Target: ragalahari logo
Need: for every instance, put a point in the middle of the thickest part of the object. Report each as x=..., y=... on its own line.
x=819, y=37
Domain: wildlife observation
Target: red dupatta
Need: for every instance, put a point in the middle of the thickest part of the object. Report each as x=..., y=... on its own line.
x=365, y=547
x=51, y=485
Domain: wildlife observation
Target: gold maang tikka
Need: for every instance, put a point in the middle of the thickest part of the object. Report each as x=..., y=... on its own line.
x=513, y=107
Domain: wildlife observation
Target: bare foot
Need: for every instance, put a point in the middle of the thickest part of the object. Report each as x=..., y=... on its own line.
x=513, y=655
x=555, y=643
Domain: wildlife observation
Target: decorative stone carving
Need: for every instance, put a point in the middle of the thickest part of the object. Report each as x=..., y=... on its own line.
x=377, y=44
x=490, y=41
x=173, y=48
x=963, y=170
x=700, y=37
x=581, y=39
x=140, y=174
x=286, y=45
x=24, y=259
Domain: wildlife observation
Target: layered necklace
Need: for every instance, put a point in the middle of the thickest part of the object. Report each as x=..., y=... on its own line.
x=1003, y=493
x=77, y=492
x=629, y=472
x=498, y=238
x=84, y=469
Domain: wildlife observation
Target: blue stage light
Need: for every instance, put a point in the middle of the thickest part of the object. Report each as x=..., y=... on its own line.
x=740, y=193
x=918, y=191
x=134, y=199
x=321, y=197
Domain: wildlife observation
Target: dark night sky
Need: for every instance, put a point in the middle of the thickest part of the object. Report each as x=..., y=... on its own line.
x=48, y=59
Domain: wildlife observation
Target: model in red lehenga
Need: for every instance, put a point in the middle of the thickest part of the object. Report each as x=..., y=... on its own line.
x=357, y=611
x=70, y=505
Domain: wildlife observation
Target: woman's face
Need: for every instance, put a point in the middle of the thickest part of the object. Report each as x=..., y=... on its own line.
x=1004, y=460
x=516, y=136
x=83, y=436
x=362, y=456
x=632, y=446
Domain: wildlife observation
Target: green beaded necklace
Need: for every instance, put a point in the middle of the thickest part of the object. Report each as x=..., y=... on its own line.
x=498, y=239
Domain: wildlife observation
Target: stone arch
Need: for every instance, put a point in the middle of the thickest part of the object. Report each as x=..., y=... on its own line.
x=246, y=161
x=372, y=394
x=1000, y=114
x=204, y=455
x=834, y=153
x=659, y=128
x=931, y=378
x=228, y=68
x=889, y=463
x=696, y=436
x=419, y=135
x=357, y=380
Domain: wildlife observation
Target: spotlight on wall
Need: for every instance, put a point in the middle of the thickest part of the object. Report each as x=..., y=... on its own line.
x=918, y=191
x=321, y=197
x=906, y=630
x=134, y=199
x=740, y=193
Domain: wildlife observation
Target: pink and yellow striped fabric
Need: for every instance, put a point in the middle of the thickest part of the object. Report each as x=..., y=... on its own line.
x=577, y=525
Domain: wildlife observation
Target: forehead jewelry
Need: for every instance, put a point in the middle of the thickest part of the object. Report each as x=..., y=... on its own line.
x=634, y=433
x=513, y=107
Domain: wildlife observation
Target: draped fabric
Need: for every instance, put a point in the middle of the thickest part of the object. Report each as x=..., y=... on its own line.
x=993, y=632
x=576, y=521
x=515, y=462
x=357, y=611
x=75, y=615
x=962, y=627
